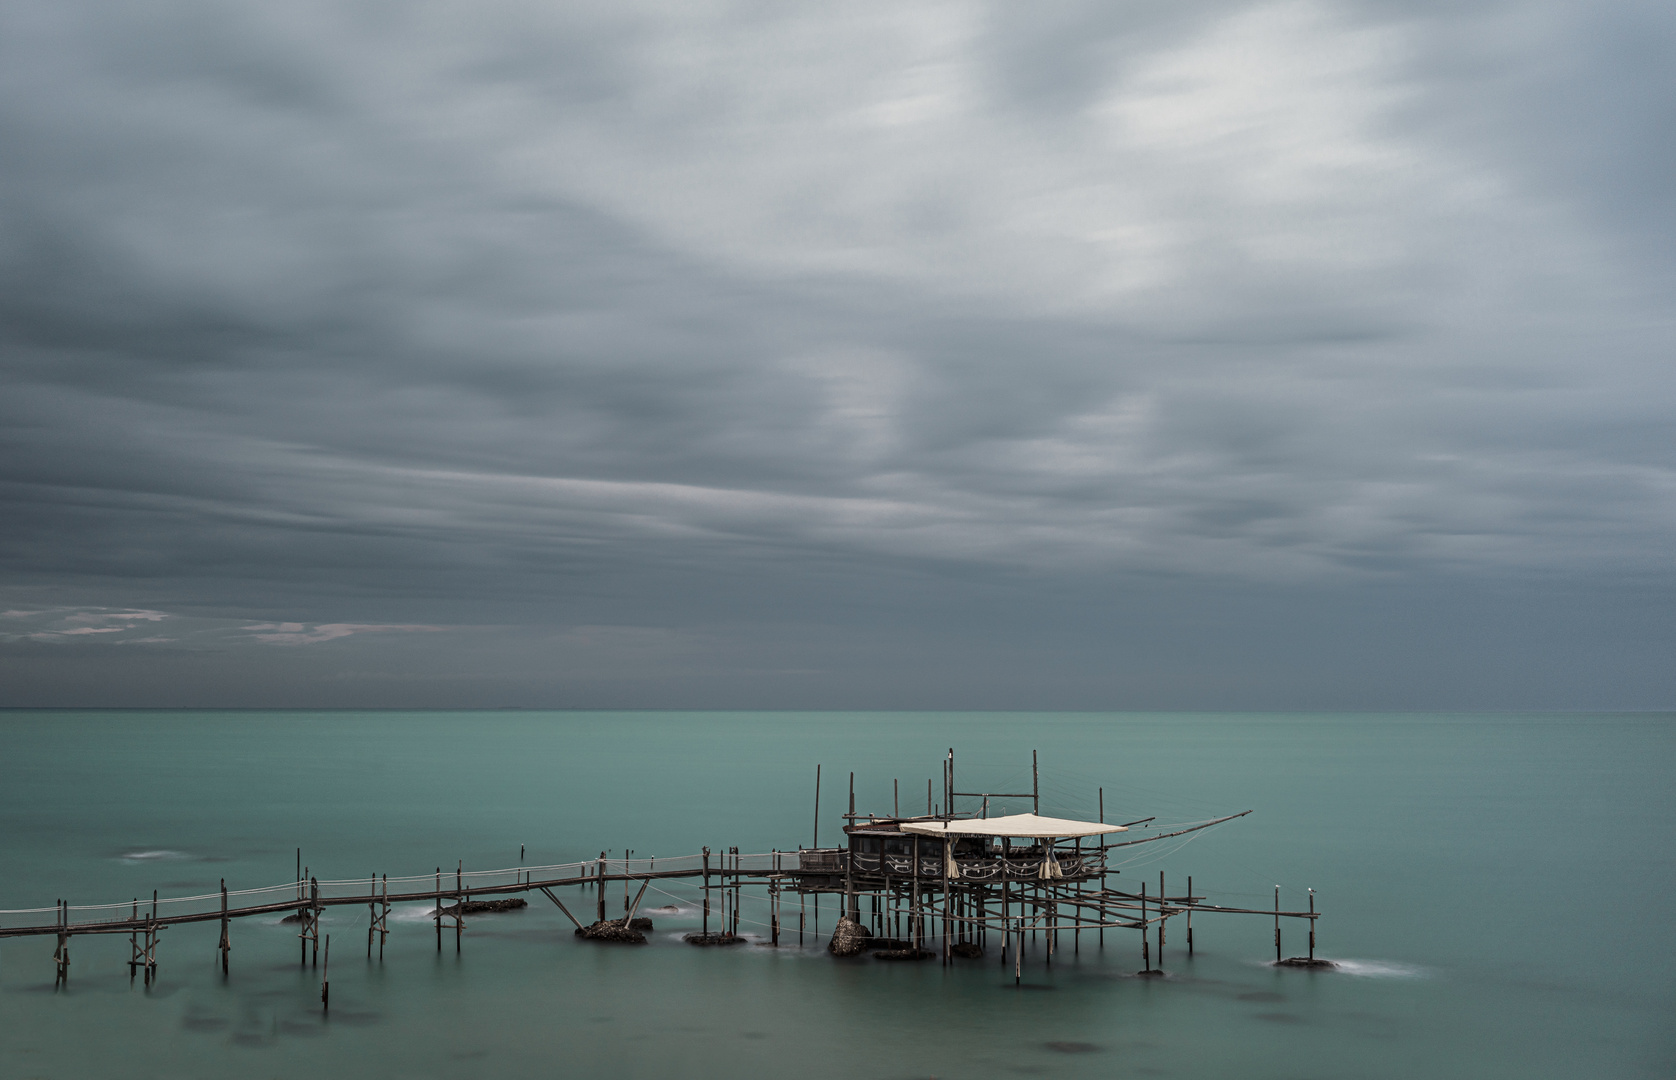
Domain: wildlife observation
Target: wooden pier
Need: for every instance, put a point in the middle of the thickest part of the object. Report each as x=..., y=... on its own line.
x=944, y=884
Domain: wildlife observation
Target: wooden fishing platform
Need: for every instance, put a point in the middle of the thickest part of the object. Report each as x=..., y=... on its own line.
x=942, y=884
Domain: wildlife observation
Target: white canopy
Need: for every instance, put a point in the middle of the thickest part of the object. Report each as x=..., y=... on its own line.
x=1025, y=825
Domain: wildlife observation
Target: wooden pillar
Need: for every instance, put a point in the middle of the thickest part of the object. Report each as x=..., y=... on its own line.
x=460, y=903
x=1190, y=915
x=1006, y=896
x=1277, y=924
x=706, y=923
x=849, y=861
x=1163, y=918
x=226, y=945
x=1018, y=954
x=61, y=955
x=1312, y=924
x=1076, y=934
x=439, y=909
x=1146, y=954
x=948, y=856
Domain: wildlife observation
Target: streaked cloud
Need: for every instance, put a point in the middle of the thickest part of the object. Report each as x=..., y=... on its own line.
x=298, y=634
x=321, y=321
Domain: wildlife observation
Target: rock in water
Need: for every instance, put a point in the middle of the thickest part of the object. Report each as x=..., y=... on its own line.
x=715, y=937
x=612, y=930
x=848, y=938
x=1304, y=962
x=968, y=950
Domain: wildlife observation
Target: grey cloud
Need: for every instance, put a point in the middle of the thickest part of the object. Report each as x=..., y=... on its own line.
x=703, y=326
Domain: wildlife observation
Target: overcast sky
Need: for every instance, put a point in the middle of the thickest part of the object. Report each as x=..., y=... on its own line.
x=1049, y=355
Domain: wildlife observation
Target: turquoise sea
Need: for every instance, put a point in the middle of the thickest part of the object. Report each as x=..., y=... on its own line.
x=1498, y=887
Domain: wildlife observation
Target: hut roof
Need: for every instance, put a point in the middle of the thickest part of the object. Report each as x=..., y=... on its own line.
x=1026, y=825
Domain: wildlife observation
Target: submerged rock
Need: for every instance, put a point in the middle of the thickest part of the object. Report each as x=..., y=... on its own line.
x=714, y=938
x=640, y=923
x=612, y=930
x=1304, y=962
x=848, y=938
x=968, y=950
x=878, y=943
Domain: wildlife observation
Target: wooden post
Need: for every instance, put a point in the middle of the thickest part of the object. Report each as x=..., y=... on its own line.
x=1102, y=868
x=1146, y=955
x=226, y=945
x=439, y=909
x=914, y=929
x=1162, y=919
x=948, y=856
x=372, y=913
x=851, y=910
x=1006, y=895
x=384, y=918
x=896, y=798
x=1190, y=916
x=817, y=806
x=326, y=977
x=61, y=955
x=1018, y=954
x=1035, y=787
x=928, y=796
x=460, y=903
x=1312, y=925
x=1277, y=924
x=706, y=923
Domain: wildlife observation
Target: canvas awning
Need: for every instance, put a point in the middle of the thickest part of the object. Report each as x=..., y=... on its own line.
x=1026, y=825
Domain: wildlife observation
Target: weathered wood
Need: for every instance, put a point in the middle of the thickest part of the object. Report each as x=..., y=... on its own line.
x=226, y=945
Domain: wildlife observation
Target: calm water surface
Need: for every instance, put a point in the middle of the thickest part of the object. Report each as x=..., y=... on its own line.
x=1499, y=888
